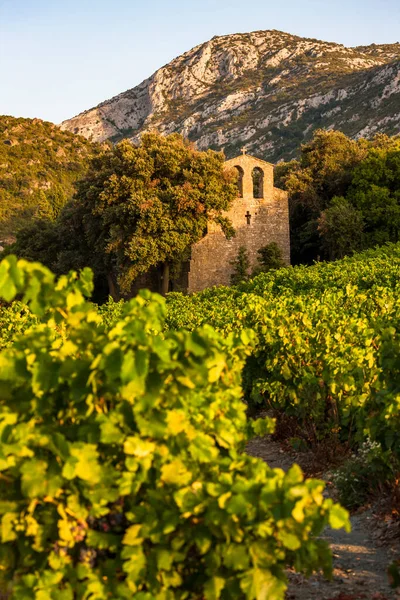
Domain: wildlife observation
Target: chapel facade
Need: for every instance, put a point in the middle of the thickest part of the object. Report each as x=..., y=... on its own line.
x=260, y=215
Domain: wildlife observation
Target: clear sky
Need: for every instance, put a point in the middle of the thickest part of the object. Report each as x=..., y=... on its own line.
x=59, y=57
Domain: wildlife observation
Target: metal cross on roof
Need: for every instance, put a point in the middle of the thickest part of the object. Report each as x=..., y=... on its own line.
x=244, y=150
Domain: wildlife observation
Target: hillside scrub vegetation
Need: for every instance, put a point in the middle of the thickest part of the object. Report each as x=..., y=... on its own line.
x=39, y=165
x=121, y=457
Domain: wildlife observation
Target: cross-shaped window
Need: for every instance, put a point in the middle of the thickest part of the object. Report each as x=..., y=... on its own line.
x=248, y=217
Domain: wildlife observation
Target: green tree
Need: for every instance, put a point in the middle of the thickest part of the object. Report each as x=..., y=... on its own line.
x=341, y=228
x=241, y=266
x=332, y=165
x=72, y=241
x=324, y=170
x=375, y=191
x=147, y=205
x=37, y=241
x=269, y=258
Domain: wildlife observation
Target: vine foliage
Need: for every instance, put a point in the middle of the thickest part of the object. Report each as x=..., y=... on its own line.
x=121, y=466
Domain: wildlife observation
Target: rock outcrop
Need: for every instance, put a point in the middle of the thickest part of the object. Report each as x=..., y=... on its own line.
x=267, y=89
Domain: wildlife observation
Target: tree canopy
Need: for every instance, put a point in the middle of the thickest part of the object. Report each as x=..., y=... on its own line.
x=141, y=207
x=344, y=195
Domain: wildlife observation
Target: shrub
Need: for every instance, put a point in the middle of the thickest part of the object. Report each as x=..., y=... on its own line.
x=364, y=474
x=240, y=266
x=269, y=258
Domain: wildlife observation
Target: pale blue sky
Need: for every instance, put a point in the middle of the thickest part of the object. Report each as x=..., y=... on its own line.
x=58, y=57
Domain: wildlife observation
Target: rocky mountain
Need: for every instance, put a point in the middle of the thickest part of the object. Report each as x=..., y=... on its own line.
x=38, y=167
x=267, y=89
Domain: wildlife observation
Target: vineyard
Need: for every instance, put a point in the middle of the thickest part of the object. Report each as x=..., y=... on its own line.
x=122, y=427
x=327, y=342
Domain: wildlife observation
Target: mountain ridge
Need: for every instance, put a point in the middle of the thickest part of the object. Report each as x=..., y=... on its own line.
x=267, y=89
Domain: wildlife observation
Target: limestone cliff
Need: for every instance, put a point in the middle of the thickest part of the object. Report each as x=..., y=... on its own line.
x=266, y=89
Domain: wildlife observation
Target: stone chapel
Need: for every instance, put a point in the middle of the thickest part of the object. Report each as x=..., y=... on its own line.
x=260, y=215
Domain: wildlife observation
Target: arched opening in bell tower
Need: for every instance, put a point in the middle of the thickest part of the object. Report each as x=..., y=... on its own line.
x=258, y=182
x=240, y=180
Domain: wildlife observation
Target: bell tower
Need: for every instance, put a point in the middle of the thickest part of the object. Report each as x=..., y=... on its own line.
x=260, y=215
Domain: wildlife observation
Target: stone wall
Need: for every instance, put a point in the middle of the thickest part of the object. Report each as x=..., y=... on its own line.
x=268, y=222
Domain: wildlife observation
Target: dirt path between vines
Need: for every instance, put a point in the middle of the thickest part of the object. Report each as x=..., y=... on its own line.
x=359, y=562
